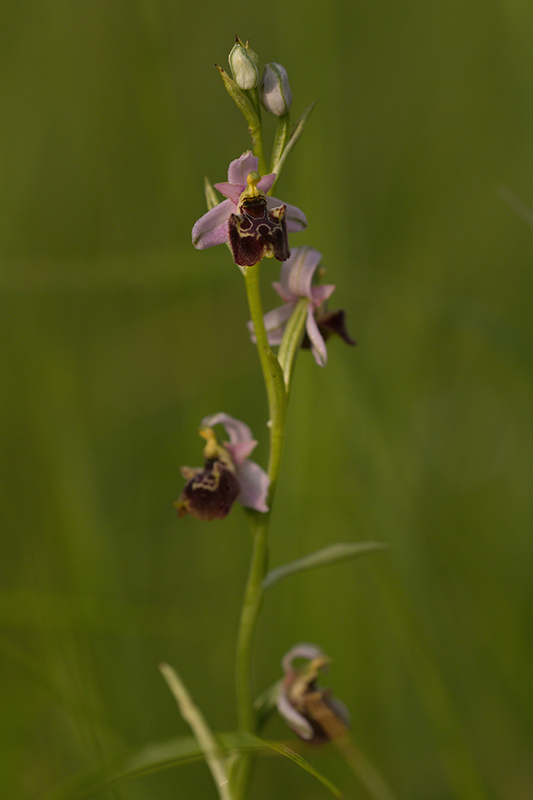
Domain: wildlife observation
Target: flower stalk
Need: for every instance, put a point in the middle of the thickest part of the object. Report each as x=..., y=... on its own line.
x=277, y=394
x=277, y=406
x=249, y=105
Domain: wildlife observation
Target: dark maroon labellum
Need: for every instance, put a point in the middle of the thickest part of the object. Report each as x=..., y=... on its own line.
x=257, y=232
x=330, y=322
x=209, y=493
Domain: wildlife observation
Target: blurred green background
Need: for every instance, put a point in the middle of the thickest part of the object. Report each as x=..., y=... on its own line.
x=117, y=337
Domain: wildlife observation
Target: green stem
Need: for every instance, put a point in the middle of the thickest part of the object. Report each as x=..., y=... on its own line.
x=256, y=133
x=248, y=103
x=253, y=597
x=253, y=291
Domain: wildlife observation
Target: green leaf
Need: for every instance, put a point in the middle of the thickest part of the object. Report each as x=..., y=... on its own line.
x=283, y=750
x=192, y=714
x=296, y=132
x=278, y=382
x=211, y=196
x=292, y=339
x=280, y=142
x=320, y=558
x=177, y=752
x=240, y=98
x=265, y=704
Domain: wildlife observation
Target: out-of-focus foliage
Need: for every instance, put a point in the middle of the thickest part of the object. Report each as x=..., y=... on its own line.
x=117, y=337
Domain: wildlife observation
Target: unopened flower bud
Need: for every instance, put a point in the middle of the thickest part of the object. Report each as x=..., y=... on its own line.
x=274, y=90
x=243, y=63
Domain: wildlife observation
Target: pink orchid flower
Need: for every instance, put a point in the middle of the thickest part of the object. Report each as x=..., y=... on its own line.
x=228, y=474
x=253, y=480
x=296, y=276
x=254, y=224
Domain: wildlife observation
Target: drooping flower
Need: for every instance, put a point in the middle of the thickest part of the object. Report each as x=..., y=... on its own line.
x=227, y=475
x=296, y=282
x=254, y=224
x=310, y=711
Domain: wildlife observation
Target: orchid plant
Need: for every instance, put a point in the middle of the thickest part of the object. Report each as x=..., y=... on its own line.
x=255, y=225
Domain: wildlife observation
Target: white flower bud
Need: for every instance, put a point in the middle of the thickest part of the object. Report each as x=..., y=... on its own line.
x=274, y=90
x=243, y=67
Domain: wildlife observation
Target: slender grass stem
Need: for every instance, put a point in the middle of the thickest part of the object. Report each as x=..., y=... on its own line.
x=192, y=714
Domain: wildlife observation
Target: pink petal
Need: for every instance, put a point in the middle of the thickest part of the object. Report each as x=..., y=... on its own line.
x=266, y=182
x=275, y=322
x=318, y=345
x=297, y=272
x=212, y=228
x=240, y=451
x=319, y=294
x=296, y=219
x=237, y=431
x=234, y=190
x=231, y=190
x=239, y=169
x=301, y=650
x=281, y=288
x=296, y=721
x=254, y=485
